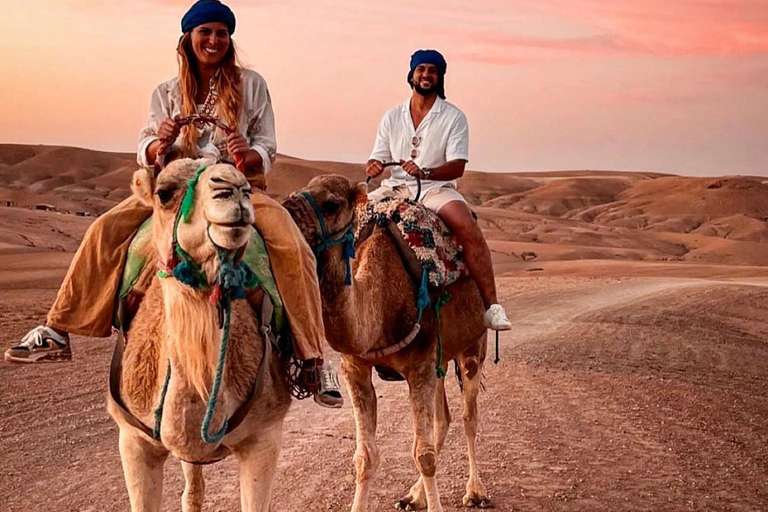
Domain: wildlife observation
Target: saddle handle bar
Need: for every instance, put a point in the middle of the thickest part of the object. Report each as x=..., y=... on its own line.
x=392, y=164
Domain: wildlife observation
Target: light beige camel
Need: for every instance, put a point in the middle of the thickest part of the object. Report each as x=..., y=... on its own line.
x=379, y=310
x=176, y=326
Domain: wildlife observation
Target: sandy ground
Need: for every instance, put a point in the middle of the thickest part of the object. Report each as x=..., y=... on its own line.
x=612, y=394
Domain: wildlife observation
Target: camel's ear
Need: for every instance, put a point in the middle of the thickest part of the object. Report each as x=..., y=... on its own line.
x=359, y=194
x=142, y=185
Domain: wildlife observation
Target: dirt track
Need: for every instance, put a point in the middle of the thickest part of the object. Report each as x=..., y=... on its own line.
x=612, y=394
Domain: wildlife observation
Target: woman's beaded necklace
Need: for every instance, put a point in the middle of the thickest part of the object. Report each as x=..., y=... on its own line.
x=209, y=105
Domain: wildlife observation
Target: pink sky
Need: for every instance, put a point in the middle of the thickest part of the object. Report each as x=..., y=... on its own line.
x=673, y=86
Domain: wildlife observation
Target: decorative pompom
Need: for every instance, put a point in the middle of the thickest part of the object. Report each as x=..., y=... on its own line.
x=187, y=273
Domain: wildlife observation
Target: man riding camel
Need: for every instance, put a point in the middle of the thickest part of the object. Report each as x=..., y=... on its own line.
x=430, y=139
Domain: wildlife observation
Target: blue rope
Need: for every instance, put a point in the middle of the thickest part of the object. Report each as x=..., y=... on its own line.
x=326, y=242
x=215, y=438
x=347, y=252
x=422, y=297
x=159, y=410
x=233, y=280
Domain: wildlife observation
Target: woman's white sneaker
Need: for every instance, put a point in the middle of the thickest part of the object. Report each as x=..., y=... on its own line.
x=496, y=318
x=40, y=344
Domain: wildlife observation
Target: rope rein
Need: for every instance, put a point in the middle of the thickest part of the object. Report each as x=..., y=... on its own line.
x=201, y=120
x=233, y=278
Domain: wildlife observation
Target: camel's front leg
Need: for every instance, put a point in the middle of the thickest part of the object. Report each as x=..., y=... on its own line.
x=194, y=487
x=143, y=468
x=471, y=365
x=416, y=499
x=363, y=397
x=258, y=463
x=423, y=388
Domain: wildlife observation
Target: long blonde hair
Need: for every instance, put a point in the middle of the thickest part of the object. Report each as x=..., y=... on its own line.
x=228, y=84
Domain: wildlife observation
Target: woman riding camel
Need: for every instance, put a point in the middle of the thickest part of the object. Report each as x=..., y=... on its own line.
x=211, y=83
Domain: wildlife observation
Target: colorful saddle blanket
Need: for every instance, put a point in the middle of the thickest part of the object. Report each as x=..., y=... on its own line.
x=424, y=240
x=255, y=257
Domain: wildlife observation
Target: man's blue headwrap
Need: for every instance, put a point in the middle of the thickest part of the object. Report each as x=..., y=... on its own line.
x=208, y=11
x=430, y=57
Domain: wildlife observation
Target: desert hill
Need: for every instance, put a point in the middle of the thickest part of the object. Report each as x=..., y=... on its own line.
x=561, y=215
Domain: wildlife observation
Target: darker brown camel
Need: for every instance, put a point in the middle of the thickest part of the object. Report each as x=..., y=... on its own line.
x=177, y=327
x=379, y=310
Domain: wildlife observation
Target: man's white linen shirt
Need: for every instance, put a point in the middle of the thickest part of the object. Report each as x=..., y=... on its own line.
x=444, y=134
x=257, y=122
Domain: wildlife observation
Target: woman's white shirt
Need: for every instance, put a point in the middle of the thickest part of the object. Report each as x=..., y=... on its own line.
x=257, y=121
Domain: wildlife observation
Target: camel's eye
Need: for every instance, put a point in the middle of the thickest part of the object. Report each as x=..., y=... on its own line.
x=165, y=194
x=330, y=207
x=223, y=194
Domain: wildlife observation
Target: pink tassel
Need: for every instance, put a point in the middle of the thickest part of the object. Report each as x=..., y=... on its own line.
x=215, y=296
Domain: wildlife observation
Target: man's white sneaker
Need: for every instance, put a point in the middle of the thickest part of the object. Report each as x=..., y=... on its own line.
x=496, y=318
x=40, y=344
x=328, y=392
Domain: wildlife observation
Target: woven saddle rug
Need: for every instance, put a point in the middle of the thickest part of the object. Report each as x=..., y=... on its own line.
x=423, y=239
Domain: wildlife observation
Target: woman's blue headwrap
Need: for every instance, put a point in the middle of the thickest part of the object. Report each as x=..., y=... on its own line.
x=208, y=11
x=430, y=57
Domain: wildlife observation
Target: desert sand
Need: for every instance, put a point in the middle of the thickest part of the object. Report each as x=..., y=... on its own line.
x=634, y=378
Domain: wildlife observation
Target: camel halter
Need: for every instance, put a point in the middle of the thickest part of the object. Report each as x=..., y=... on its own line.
x=233, y=278
x=326, y=239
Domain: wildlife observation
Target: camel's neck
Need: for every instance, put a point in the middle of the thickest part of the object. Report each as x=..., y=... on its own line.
x=360, y=317
x=340, y=304
x=193, y=334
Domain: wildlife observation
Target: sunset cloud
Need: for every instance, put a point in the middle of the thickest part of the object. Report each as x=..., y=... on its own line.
x=674, y=85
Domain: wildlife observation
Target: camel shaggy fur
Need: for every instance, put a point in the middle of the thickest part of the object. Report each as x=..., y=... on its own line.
x=378, y=310
x=177, y=326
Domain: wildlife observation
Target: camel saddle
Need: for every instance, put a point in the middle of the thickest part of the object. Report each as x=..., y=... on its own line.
x=423, y=240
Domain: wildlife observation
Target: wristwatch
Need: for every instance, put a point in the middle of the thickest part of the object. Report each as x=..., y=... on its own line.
x=427, y=173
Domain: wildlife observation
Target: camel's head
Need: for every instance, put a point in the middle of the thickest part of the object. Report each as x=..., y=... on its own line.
x=335, y=200
x=200, y=204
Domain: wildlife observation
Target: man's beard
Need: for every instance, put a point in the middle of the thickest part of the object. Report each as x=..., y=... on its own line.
x=425, y=92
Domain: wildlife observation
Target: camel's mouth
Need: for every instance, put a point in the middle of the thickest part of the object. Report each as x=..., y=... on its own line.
x=242, y=223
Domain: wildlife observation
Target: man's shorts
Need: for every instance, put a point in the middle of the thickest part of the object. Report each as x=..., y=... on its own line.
x=433, y=199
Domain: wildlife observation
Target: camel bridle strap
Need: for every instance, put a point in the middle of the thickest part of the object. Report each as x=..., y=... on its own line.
x=326, y=239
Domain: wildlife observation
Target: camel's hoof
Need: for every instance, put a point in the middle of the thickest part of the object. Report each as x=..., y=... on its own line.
x=477, y=502
x=406, y=505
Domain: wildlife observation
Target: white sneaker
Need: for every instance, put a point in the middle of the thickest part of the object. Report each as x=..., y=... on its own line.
x=40, y=344
x=496, y=318
x=328, y=392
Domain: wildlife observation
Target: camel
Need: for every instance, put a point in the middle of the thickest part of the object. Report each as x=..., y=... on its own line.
x=176, y=333
x=378, y=310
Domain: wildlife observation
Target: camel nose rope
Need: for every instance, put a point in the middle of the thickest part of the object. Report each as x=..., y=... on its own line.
x=202, y=120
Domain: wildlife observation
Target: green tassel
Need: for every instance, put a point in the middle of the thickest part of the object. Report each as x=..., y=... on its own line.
x=442, y=301
x=188, y=203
